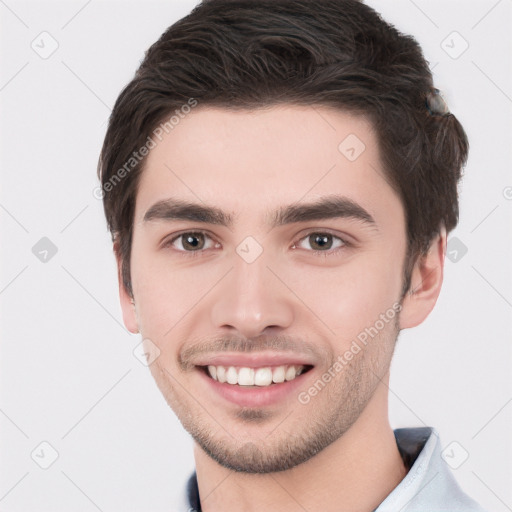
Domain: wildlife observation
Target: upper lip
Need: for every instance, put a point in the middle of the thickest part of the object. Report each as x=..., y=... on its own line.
x=253, y=360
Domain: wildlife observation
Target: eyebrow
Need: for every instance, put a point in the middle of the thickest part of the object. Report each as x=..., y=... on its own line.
x=174, y=209
x=329, y=207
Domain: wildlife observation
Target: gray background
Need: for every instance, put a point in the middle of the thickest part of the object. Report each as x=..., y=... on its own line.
x=68, y=373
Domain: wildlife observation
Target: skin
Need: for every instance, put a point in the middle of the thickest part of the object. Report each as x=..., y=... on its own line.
x=296, y=299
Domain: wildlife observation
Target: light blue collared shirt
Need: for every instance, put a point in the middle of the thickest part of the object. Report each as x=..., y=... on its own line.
x=428, y=486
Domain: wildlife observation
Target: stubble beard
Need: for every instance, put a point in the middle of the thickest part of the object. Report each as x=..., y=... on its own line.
x=306, y=430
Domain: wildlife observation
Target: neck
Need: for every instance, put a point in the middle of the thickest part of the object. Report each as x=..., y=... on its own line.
x=354, y=473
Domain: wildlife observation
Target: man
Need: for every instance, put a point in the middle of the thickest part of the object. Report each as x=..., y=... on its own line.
x=279, y=178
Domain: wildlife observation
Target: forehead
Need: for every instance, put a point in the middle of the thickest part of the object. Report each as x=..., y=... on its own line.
x=252, y=162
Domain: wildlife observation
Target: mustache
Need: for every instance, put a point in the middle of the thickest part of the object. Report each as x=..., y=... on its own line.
x=237, y=344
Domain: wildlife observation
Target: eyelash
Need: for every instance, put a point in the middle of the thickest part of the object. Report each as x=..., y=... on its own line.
x=315, y=252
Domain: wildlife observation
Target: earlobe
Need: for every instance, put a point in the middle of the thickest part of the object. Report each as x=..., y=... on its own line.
x=426, y=282
x=127, y=301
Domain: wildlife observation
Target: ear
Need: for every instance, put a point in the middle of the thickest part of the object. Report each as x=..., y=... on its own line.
x=426, y=281
x=127, y=302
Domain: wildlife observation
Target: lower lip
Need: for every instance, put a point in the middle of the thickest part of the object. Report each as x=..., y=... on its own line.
x=254, y=396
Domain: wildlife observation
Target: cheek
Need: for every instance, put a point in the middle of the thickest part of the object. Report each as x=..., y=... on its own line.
x=351, y=297
x=167, y=294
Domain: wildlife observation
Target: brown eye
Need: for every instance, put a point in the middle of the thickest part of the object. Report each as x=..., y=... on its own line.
x=193, y=241
x=320, y=241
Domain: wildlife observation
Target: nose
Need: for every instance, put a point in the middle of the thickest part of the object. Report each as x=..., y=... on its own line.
x=251, y=300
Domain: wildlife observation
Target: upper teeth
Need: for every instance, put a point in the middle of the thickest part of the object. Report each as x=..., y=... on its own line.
x=245, y=376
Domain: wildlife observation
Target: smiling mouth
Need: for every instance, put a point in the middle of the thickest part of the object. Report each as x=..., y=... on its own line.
x=244, y=376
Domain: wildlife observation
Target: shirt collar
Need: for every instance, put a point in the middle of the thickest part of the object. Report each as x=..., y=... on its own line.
x=427, y=483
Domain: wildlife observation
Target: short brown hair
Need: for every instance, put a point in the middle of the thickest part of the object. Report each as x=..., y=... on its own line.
x=244, y=54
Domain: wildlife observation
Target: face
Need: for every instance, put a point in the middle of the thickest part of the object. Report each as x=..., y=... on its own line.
x=267, y=245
